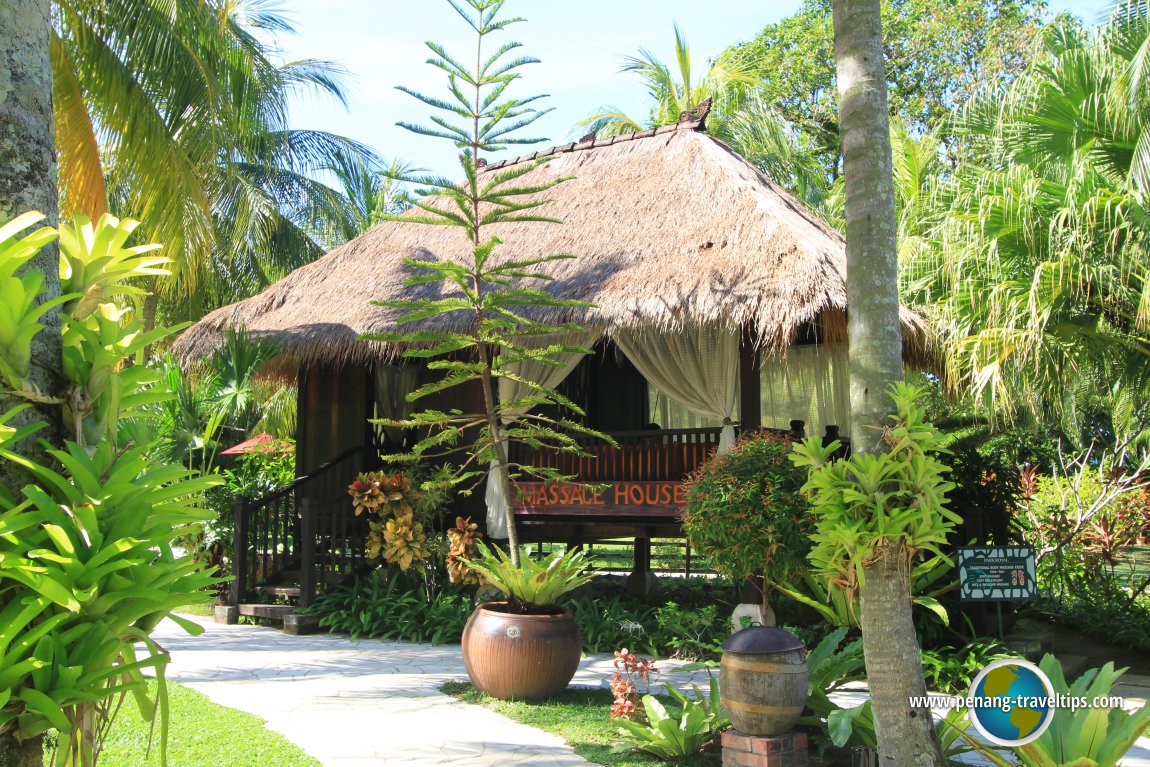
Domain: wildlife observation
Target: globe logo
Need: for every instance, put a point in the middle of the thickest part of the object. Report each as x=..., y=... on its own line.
x=1012, y=702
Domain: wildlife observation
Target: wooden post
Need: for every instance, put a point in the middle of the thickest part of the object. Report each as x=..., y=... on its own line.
x=308, y=570
x=641, y=582
x=750, y=400
x=239, y=551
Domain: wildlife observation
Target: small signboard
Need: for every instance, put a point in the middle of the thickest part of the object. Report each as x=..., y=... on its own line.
x=996, y=574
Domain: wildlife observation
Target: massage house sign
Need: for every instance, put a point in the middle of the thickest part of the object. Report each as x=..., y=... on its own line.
x=612, y=494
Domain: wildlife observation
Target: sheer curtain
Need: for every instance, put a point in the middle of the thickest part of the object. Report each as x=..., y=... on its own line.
x=392, y=385
x=811, y=383
x=698, y=367
x=540, y=373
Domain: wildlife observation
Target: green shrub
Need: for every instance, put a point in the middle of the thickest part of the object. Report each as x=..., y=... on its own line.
x=673, y=736
x=745, y=512
x=394, y=606
x=611, y=622
x=254, y=475
x=691, y=634
x=1123, y=625
x=951, y=669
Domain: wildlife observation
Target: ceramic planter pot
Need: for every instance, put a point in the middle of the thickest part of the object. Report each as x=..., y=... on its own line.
x=520, y=657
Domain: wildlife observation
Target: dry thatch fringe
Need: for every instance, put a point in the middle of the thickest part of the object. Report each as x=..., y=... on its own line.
x=669, y=226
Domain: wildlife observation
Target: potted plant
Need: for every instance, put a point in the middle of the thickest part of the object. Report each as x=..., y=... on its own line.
x=527, y=647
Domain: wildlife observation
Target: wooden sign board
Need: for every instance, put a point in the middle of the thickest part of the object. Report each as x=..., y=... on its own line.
x=607, y=494
x=996, y=574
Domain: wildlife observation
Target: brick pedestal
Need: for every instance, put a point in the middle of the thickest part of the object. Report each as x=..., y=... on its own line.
x=741, y=750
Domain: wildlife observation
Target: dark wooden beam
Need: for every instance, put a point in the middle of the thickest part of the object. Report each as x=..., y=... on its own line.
x=750, y=403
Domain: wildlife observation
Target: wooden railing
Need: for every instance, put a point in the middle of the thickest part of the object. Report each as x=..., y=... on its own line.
x=642, y=456
x=333, y=543
x=269, y=536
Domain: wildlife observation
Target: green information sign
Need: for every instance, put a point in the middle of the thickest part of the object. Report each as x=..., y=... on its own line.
x=996, y=574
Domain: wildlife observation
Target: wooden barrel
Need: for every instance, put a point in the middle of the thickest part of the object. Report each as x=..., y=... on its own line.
x=520, y=657
x=763, y=680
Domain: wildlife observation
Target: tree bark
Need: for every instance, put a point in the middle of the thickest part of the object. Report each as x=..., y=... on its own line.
x=28, y=182
x=906, y=734
x=871, y=228
x=21, y=753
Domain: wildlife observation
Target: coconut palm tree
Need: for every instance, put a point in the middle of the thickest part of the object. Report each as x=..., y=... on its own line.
x=371, y=192
x=672, y=93
x=739, y=116
x=906, y=733
x=176, y=112
x=1039, y=280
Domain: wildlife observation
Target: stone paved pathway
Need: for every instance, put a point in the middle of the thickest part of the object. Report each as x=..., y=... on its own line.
x=359, y=703
x=368, y=703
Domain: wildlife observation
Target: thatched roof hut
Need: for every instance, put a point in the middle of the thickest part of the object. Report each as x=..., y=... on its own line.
x=669, y=227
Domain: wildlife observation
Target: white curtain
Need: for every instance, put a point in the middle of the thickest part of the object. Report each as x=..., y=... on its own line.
x=392, y=385
x=548, y=376
x=698, y=367
x=811, y=383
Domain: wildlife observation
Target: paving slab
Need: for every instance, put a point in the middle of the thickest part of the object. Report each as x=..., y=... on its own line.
x=367, y=703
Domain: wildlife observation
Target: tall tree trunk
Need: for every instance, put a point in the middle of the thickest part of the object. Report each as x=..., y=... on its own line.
x=906, y=735
x=28, y=182
x=871, y=228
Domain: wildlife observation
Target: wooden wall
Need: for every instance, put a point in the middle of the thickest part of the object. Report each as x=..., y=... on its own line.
x=334, y=407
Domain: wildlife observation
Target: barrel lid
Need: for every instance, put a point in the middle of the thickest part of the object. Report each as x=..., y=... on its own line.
x=762, y=639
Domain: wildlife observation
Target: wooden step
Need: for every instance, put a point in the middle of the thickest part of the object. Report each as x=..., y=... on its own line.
x=271, y=612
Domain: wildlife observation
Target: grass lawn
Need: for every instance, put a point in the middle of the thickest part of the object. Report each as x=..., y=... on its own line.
x=1139, y=556
x=619, y=555
x=197, y=609
x=580, y=717
x=201, y=734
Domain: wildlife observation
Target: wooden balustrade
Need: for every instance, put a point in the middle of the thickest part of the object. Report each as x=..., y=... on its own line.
x=641, y=456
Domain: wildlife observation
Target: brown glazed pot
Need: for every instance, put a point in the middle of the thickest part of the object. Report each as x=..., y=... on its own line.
x=520, y=657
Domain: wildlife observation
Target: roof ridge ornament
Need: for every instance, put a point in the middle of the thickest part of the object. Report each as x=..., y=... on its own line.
x=697, y=115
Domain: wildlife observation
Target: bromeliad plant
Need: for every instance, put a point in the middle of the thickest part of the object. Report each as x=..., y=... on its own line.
x=875, y=514
x=88, y=569
x=532, y=587
x=493, y=293
x=1083, y=737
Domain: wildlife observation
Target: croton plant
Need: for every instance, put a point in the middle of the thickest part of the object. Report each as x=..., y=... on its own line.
x=398, y=532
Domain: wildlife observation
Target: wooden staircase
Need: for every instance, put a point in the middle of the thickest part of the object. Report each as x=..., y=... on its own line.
x=290, y=543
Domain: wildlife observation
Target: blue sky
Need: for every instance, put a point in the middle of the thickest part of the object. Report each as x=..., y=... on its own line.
x=381, y=43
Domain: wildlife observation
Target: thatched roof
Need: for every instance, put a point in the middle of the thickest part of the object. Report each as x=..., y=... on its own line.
x=669, y=226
